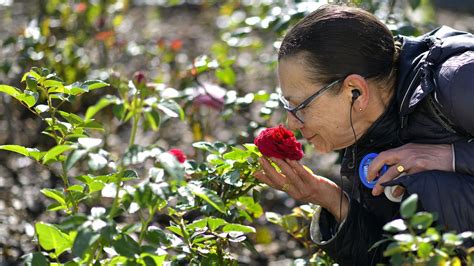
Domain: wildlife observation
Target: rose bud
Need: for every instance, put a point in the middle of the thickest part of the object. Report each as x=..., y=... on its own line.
x=178, y=154
x=280, y=143
x=139, y=78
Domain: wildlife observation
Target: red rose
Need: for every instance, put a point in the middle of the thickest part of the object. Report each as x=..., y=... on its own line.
x=179, y=154
x=279, y=142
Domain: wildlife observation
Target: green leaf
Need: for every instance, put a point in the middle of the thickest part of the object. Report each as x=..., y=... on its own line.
x=126, y=246
x=12, y=91
x=451, y=239
x=392, y=249
x=226, y=75
x=95, y=84
x=201, y=223
x=119, y=111
x=238, y=228
x=28, y=97
x=51, y=238
x=395, y=226
x=233, y=178
x=421, y=220
x=84, y=241
x=73, y=119
x=31, y=83
x=16, y=148
x=152, y=259
x=130, y=174
x=95, y=186
x=103, y=102
x=54, y=152
x=408, y=206
x=424, y=250
x=74, y=157
x=214, y=223
x=55, y=194
x=153, y=119
x=414, y=3
x=171, y=109
x=175, y=229
x=76, y=187
x=209, y=196
x=206, y=146
x=35, y=259
x=237, y=155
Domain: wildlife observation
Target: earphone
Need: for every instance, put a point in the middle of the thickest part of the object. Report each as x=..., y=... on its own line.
x=355, y=94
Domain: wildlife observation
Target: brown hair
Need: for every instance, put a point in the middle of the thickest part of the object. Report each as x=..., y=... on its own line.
x=337, y=41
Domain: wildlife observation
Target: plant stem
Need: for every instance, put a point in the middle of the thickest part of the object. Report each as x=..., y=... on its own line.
x=145, y=226
x=66, y=186
x=136, y=118
x=185, y=235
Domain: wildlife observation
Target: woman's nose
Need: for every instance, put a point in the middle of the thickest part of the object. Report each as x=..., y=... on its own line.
x=293, y=122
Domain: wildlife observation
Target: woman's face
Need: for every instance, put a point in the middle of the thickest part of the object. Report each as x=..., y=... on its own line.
x=326, y=119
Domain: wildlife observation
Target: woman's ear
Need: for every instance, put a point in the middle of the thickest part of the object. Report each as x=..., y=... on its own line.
x=356, y=88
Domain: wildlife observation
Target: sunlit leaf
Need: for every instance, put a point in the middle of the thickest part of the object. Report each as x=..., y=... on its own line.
x=51, y=238
x=209, y=196
x=55, y=151
x=238, y=228
x=408, y=206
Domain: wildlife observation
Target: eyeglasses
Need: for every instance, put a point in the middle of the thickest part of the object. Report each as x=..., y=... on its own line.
x=294, y=110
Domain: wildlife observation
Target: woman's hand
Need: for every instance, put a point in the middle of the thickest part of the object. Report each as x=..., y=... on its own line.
x=304, y=186
x=410, y=159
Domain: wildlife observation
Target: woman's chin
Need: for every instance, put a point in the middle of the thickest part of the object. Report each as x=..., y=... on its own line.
x=320, y=147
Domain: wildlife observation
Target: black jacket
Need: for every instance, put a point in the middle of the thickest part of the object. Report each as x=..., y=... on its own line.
x=434, y=103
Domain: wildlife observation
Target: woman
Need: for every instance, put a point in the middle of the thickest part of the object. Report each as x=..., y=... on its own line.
x=347, y=84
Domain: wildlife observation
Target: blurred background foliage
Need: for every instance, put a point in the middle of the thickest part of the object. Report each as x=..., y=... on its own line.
x=216, y=59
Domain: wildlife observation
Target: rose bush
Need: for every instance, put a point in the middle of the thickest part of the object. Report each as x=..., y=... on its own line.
x=280, y=143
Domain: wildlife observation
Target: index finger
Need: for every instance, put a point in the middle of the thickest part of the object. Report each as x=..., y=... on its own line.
x=384, y=158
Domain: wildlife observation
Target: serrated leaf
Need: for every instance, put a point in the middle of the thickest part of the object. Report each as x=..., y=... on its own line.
x=209, y=196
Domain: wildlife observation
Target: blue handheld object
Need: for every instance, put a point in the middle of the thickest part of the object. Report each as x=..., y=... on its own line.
x=364, y=167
